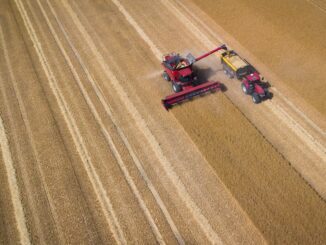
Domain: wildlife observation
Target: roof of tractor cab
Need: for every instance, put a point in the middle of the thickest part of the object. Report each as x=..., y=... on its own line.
x=253, y=77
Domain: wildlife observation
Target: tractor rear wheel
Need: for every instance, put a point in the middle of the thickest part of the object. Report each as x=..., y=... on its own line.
x=256, y=98
x=166, y=76
x=176, y=87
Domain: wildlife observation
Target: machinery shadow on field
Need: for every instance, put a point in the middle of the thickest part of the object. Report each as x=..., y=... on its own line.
x=204, y=74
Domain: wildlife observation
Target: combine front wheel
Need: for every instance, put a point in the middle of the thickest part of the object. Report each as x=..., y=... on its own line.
x=165, y=75
x=176, y=87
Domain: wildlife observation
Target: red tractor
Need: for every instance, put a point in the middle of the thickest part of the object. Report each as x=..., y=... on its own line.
x=185, y=83
x=252, y=83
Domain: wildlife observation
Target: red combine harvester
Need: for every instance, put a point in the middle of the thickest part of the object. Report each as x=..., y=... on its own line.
x=179, y=71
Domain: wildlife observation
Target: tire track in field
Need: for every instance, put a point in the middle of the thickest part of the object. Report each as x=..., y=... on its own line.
x=120, y=133
x=300, y=113
x=300, y=131
x=30, y=137
x=141, y=124
x=306, y=137
x=319, y=4
x=96, y=115
x=13, y=187
x=73, y=129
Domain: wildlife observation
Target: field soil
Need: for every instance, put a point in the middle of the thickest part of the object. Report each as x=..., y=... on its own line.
x=89, y=155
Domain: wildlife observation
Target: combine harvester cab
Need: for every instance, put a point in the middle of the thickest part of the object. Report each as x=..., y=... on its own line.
x=251, y=81
x=185, y=84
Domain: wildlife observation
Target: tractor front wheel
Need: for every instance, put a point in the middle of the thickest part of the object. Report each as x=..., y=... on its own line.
x=176, y=87
x=244, y=88
x=256, y=98
x=166, y=76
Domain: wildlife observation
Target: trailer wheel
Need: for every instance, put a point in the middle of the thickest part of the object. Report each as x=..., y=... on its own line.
x=227, y=70
x=176, y=87
x=166, y=76
x=256, y=98
x=244, y=88
x=229, y=73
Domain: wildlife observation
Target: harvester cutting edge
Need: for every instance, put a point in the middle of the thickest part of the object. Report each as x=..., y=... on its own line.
x=179, y=71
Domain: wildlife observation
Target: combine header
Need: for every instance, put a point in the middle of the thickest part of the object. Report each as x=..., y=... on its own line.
x=179, y=71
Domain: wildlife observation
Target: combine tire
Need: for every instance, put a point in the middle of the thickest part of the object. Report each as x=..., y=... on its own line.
x=165, y=75
x=256, y=98
x=244, y=88
x=176, y=87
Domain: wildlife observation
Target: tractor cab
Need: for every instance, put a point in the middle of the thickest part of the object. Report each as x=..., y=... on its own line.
x=245, y=72
x=253, y=77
